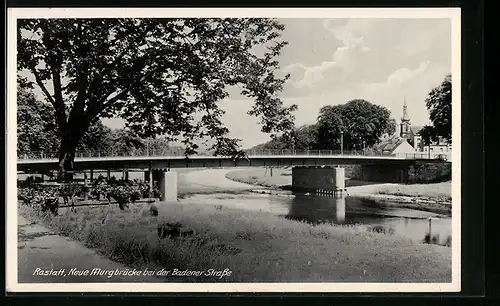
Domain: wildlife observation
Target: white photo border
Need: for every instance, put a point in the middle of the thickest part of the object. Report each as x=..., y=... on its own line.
x=12, y=285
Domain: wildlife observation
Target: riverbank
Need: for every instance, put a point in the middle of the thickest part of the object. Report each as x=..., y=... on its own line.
x=40, y=249
x=254, y=246
x=429, y=197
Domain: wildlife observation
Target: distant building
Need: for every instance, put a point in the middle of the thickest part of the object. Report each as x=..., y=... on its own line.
x=411, y=134
x=394, y=145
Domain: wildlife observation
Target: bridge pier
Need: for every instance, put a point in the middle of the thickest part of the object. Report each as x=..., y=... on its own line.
x=319, y=179
x=148, y=177
x=168, y=186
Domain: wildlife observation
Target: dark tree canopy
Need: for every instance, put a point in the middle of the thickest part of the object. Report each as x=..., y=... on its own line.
x=306, y=137
x=163, y=76
x=302, y=138
x=37, y=133
x=36, y=128
x=391, y=127
x=361, y=122
x=438, y=103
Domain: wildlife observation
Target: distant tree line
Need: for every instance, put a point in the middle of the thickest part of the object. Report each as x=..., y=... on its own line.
x=358, y=122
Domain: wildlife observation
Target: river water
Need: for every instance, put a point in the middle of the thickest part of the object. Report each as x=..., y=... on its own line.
x=211, y=187
x=410, y=223
x=218, y=190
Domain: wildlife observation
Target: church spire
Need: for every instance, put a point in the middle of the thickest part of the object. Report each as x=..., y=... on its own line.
x=405, y=117
x=405, y=122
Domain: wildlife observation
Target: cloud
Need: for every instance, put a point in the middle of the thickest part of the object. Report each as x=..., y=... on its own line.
x=371, y=50
x=404, y=75
x=311, y=77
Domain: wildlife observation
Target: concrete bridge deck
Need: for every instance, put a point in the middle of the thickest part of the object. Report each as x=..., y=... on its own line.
x=160, y=162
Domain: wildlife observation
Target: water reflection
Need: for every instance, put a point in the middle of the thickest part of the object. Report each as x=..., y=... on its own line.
x=413, y=224
x=380, y=218
x=317, y=209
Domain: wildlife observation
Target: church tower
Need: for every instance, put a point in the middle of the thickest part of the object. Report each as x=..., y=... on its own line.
x=405, y=123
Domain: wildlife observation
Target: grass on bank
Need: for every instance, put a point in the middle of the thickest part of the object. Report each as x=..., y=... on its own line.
x=436, y=191
x=282, y=177
x=255, y=246
x=262, y=177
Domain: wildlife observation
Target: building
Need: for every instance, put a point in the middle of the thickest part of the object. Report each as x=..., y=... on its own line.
x=412, y=135
x=394, y=145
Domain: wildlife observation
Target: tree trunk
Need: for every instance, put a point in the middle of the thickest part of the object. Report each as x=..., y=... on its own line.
x=66, y=159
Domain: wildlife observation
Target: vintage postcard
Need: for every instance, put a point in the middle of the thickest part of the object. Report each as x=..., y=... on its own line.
x=233, y=150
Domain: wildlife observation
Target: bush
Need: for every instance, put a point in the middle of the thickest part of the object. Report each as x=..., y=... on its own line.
x=46, y=200
x=69, y=190
x=124, y=195
x=122, y=191
x=26, y=194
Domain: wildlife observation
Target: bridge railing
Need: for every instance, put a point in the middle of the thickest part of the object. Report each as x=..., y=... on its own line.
x=109, y=153
x=285, y=152
x=155, y=152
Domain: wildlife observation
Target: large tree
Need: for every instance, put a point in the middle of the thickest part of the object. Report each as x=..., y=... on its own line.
x=438, y=103
x=361, y=122
x=163, y=76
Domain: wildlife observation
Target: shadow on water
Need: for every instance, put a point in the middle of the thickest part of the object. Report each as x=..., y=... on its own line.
x=379, y=218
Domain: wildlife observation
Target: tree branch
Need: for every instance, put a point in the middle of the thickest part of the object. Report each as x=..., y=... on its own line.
x=42, y=86
x=57, y=103
x=58, y=99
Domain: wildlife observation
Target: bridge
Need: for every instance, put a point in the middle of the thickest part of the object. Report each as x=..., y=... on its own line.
x=312, y=169
x=44, y=162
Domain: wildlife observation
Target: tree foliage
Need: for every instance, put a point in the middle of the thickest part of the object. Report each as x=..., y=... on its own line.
x=35, y=124
x=306, y=137
x=361, y=122
x=97, y=138
x=163, y=76
x=37, y=132
x=302, y=138
x=438, y=103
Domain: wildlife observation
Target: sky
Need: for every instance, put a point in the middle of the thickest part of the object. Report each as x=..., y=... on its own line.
x=332, y=61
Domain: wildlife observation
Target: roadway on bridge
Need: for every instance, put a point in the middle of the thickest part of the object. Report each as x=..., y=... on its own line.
x=171, y=162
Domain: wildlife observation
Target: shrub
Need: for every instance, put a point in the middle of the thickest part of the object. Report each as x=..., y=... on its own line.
x=124, y=195
x=122, y=191
x=69, y=190
x=46, y=200
x=26, y=194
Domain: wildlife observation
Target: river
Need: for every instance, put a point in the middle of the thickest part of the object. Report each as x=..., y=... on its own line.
x=218, y=190
x=211, y=187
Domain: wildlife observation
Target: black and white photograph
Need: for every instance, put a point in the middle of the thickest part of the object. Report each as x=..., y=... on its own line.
x=249, y=150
